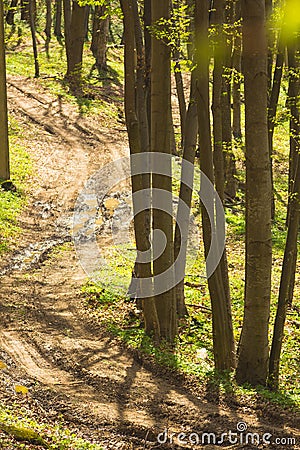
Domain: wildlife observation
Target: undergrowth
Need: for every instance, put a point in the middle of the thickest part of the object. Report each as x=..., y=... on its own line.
x=25, y=432
x=12, y=201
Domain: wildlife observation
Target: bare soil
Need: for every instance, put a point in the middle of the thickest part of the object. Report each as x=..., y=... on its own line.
x=76, y=372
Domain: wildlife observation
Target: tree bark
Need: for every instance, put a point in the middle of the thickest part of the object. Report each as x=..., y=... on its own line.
x=33, y=37
x=253, y=352
x=218, y=156
x=185, y=194
x=100, y=36
x=287, y=279
x=293, y=93
x=147, y=37
x=272, y=109
x=75, y=35
x=10, y=15
x=237, y=73
x=230, y=165
x=57, y=20
x=25, y=15
x=223, y=340
x=48, y=27
x=141, y=229
x=160, y=142
x=4, y=146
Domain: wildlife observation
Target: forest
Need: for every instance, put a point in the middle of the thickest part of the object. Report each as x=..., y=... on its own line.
x=149, y=224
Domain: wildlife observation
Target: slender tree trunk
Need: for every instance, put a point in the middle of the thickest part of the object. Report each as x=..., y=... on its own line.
x=271, y=38
x=253, y=352
x=274, y=96
x=237, y=72
x=100, y=36
x=4, y=147
x=179, y=83
x=48, y=27
x=230, y=166
x=10, y=15
x=180, y=96
x=191, y=40
x=147, y=37
x=293, y=97
x=185, y=194
x=33, y=36
x=57, y=20
x=134, y=134
x=287, y=279
x=25, y=15
x=218, y=156
x=223, y=340
x=149, y=308
x=67, y=24
x=74, y=45
x=218, y=123
x=160, y=142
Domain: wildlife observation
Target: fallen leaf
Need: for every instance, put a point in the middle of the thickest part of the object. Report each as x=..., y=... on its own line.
x=21, y=389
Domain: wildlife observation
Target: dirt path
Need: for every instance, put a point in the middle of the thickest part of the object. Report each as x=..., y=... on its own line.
x=71, y=365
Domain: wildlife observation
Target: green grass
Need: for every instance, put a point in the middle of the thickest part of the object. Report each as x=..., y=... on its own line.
x=101, y=91
x=11, y=203
x=28, y=431
x=195, y=333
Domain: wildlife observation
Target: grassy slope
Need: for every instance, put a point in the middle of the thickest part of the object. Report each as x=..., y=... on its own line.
x=11, y=203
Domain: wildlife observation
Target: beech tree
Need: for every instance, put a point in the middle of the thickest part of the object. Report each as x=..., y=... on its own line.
x=160, y=142
x=75, y=32
x=100, y=36
x=253, y=350
x=4, y=147
x=223, y=340
x=289, y=263
x=138, y=139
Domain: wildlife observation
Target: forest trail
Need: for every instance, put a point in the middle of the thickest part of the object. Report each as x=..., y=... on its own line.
x=47, y=338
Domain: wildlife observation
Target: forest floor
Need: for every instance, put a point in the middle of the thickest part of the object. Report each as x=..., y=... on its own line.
x=75, y=371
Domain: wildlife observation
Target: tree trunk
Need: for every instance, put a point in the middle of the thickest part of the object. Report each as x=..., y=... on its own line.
x=4, y=147
x=287, y=279
x=74, y=44
x=218, y=156
x=141, y=228
x=160, y=142
x=10, y=15
x=191, y=40
x=100, y=36
x=223, y=340
x=57, y=20
x=48, y=27
x=271, y=39
x=147, y=37
x=25, y=15
x=185, y=195
x=180, y=96
x=253, y=352
x=272, y=109
x=33, y=36
x=230, y=166
x=179, y=81
x=237, y=72
x=67, y=24
x=293, y=93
